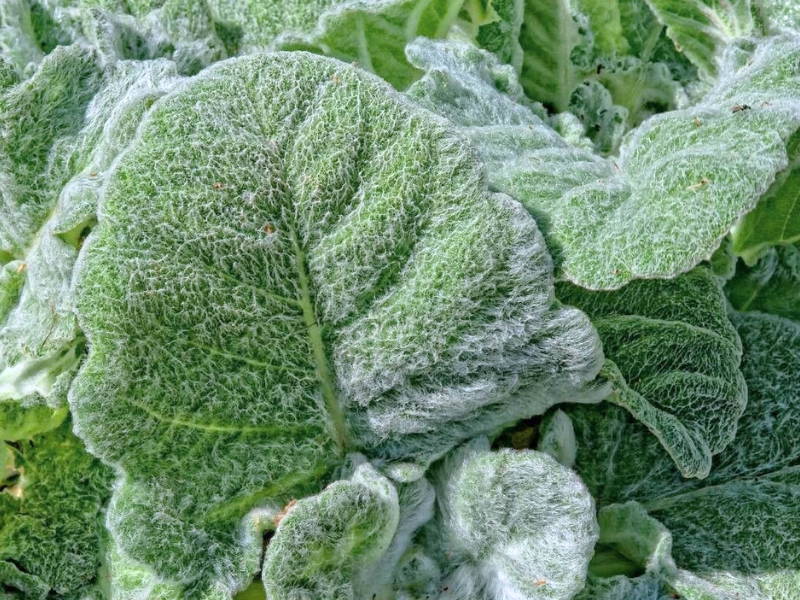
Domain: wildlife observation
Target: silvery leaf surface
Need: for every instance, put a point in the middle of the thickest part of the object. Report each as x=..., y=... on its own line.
x=510, y=524
x=66, y=123
x=316, y=268
x=608, y=221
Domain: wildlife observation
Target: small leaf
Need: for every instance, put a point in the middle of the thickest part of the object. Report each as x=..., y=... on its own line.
x=325, y=541
x=703, y=28
x=499, y=514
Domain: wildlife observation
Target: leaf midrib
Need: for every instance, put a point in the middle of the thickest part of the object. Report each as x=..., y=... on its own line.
x=322, y=369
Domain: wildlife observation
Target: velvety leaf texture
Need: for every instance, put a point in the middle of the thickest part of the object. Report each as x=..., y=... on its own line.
x=293, y=262
x=734, y=534
x=51, y=504
x=324, y=541
x=512, y=525
x=40, y=344
x=682, y=179
x=675, y=361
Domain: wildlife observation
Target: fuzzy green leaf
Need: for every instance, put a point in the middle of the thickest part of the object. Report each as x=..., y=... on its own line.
x=335, y=278
x=374, y=34
x=682, y=179
x=776, y=217
x=49, y=205
x=675, y=361
x=511, y=525
x=772, y=285
x=702, y=29
x=734, y=534
x=549, y=35
x=51, y=505
x=324, y=542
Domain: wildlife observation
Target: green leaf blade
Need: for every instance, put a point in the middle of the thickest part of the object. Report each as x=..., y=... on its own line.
x=336, y=278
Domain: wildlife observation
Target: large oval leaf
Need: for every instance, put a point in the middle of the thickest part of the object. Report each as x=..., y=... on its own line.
x=293, y=262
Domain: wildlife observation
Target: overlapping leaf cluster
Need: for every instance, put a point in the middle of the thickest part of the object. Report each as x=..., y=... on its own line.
x=399, y=299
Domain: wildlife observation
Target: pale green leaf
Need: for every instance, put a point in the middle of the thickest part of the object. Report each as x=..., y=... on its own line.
x=512, y=524
x=778, y=14
x=606, y=24
x=22, y=423
x=335, y=277
x=549, y=35
x=374, y=34
x=392, y=572
x=776, y=217
x=327, y=541
x=682, y=179
x=604, y=122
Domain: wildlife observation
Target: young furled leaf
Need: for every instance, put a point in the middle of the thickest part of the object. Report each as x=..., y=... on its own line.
x=293, y=262
x=510, y=524
x=328, y=541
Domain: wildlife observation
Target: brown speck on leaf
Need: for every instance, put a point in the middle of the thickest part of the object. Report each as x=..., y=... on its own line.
x=697, y=186
x=697, y=122
x=22, y=267
x=276, y=520
x=92, y=174
x=740, y=107
x=539, y=582
x=765, y=103
x=615, y=272
x=218, y=186
x=335, y=79
x=269, y=229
